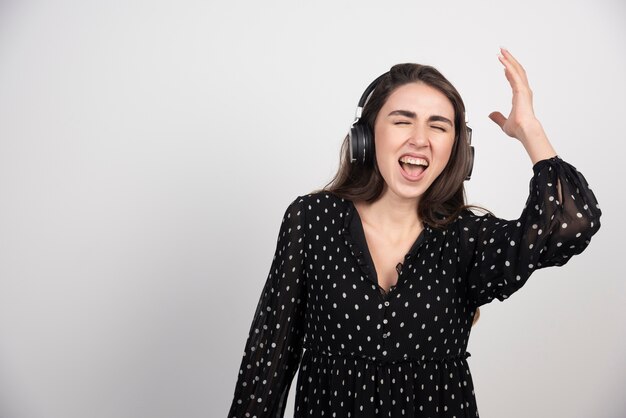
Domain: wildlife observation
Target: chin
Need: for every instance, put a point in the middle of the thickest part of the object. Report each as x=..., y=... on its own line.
x=410, y=193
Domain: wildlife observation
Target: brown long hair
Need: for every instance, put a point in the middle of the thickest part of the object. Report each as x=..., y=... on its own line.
x=445, y=198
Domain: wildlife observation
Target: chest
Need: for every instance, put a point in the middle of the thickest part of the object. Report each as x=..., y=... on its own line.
x=340, y=273
x=387, y=256
x=357, y=301
x=422, y=311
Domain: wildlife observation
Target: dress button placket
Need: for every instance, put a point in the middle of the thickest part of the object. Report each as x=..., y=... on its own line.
x=385, y=328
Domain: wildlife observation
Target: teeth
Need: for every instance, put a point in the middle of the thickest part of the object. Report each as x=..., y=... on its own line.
x=414, y=161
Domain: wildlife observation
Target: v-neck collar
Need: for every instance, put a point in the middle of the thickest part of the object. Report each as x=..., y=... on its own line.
x=355, y=234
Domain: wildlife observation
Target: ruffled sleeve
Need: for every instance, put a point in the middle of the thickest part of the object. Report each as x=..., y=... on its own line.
x=502, y=254
x=274, y=346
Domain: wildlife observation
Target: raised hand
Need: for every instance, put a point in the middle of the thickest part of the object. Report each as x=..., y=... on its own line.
x=521, y=122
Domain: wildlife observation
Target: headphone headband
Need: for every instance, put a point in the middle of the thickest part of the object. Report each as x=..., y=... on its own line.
x=366, y=94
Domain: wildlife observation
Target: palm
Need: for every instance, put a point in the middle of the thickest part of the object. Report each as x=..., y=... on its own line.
x=522, y=115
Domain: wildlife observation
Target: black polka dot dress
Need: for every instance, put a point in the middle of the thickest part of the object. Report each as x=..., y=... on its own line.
x=362, y=352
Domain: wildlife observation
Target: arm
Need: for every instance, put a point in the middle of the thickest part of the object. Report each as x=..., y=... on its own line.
x=560, y=216
x=274, y=344
x=501, y=254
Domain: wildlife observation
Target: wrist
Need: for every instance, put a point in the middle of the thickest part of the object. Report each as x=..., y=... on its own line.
x=531, y=131
x=539, y=148
x=535, y=141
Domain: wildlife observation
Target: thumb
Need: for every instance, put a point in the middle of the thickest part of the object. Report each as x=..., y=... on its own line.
x=498, y=118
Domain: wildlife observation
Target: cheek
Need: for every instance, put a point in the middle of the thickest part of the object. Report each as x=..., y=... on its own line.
x=382, y=159
x=446, y=148
x=444, y=152
x=382, y=149
x=449, y=150
x=385, y=163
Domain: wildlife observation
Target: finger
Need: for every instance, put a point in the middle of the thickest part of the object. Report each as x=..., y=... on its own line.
x=510, y=66
x=515, y=63
x=498, y=118
x=515, y=78
x=507, y=54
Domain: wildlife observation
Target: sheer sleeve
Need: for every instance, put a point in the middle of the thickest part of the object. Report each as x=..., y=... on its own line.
x=274, y=346
x=502, y=254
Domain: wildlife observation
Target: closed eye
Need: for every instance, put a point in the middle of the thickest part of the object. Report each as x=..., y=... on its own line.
x=402, y=122
x=440, y=128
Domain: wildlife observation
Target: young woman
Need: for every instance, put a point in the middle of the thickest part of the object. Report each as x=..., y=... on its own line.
x=377, y=278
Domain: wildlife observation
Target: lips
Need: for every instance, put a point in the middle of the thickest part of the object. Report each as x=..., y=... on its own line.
x=413, y=165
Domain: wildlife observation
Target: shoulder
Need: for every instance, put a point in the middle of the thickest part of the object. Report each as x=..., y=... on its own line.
x=322, y=202
x=321, y=211
x=469, y=220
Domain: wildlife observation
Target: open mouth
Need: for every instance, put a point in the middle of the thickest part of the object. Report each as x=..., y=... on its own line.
x=412, y=166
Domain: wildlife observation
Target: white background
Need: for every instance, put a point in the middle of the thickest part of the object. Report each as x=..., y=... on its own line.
x=148, y=150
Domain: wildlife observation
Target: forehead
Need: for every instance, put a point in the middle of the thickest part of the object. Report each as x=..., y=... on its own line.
x=419, y=98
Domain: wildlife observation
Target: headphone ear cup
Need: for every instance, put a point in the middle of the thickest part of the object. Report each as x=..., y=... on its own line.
x=360, y=144
x=353, y=140
x=471, y=163
x=368, y=144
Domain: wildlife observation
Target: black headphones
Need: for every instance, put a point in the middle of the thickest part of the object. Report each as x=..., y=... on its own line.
x=361, y=138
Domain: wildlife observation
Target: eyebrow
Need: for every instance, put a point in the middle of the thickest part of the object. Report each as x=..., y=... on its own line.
x=413, y=115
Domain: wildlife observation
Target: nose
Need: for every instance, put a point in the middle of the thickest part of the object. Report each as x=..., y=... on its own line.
x=419, y=136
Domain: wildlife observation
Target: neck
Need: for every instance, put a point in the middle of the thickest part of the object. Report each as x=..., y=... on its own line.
x=391, y=213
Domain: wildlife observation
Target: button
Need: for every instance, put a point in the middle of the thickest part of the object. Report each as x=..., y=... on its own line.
x=385, y=321
x=386, y=303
